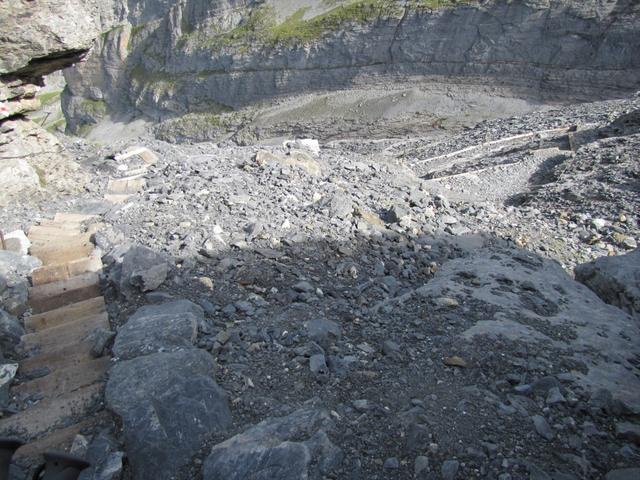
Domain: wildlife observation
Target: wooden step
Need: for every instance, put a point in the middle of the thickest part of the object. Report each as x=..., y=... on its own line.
x=61, y=242
x=66, y=380
x=50, y=296
x=70, y=313
x=117, y=198
x=56, y=273
x=38, y=232
x=59, y=440
x=126, y=185
x=63, y=356
x=56, y=251
x=73, y=217
x=51, y=413
x=64, y=334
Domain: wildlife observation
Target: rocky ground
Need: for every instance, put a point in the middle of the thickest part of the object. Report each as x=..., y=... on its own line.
x=392, y=308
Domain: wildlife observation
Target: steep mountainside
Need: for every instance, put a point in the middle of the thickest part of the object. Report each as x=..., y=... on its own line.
x=172, y=57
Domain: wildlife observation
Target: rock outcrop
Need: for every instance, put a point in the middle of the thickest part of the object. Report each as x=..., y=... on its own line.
x=57, y=34
x=616, y=280
x=168, y=403
x=171, y=58
x=288, y=448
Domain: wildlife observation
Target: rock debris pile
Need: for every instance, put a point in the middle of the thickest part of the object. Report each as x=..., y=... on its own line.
x=357, y=312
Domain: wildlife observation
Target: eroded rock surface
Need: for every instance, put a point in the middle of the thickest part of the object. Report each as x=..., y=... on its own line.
x=199, y=56
x=166, y=327
x=168, y=403
x=288, y=448
x=616, y=280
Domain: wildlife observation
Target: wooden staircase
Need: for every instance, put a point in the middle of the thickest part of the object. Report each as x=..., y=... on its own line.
x=65, y=299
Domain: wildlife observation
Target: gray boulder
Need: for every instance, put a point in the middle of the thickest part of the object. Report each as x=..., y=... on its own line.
x=544, y=307
x=57, y=33
x=322, y=331
x=616, y=280
x=142, y=270
x=295, y=447
x=155, y=328
x=168, y=403
x=10, y=332
x=14, y=266
x=14, y=297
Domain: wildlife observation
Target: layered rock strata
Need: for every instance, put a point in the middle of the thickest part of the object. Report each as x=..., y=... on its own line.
x=170, y=58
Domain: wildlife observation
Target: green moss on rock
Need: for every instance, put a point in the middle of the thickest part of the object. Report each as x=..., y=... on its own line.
x=95, y=108
x=260, y=26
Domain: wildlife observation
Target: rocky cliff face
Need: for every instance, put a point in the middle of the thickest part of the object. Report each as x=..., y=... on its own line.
x=172, y=57
x=39, y=38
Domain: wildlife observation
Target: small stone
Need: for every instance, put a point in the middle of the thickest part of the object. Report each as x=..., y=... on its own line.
x=366, y=348
x=361, y=405
x=449, y=470
x=102, y=341
x=17, y=242
x=318, y=365
x=446, y=303
x=245, y=307
x=598, y=223
x=79, y=446
x=223, y=337
x=542, y=427
x=303, y=287
x=455, y=361
x=390, y=348
x=7, y=373
x=449, y=220
x=399, y=214
x=628, y=431
x=623, y=474
x=206, y=282
x=555, y=396
x=322, y=331
x=421, y=464
x=391, y=463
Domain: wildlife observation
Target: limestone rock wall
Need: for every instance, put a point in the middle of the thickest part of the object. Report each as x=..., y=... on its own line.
x=195, y=55
x=38, y=38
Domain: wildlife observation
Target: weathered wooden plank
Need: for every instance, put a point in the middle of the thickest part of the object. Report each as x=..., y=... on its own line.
x=59, y=440
x=65, y=380
x=119, y=198
x=46, y=231
x=63, y=356
x=58, y=294
x=72, y=217
x=69, y=313
x=64, y=334
x=51, y=413
x=56, y=273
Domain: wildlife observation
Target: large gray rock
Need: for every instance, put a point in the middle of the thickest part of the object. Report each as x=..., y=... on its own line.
x=106, y=459
x=616, y=280
x=295, y=447
x=14, y=266
x=10, y=332
x=14, y=298
x=168, y=403
x=48, y=35
x=155, y=328
x=524, y=298
x=142, y=270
